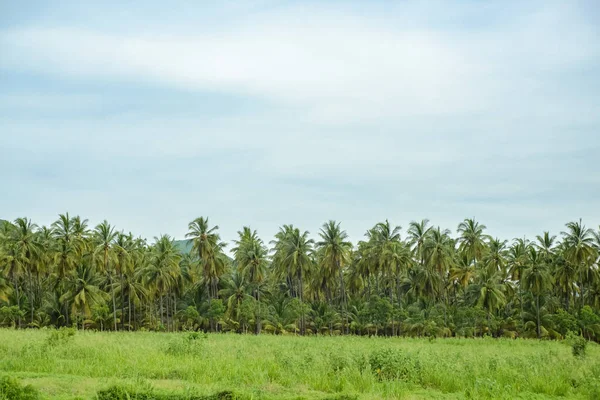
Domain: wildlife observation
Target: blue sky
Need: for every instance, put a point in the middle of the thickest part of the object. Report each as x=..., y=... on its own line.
x=262, y=113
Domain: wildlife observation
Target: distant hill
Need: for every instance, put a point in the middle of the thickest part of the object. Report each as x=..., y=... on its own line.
x=184, y=246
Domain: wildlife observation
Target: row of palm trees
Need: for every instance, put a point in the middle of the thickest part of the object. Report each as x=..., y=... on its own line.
x=427, y=283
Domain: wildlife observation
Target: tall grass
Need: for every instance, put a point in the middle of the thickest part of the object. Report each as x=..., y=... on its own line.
x=64, y=366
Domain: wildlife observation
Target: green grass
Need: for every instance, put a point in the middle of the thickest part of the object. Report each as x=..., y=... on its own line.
x=289, y=367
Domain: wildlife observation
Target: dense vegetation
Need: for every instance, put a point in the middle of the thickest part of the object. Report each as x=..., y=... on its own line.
x=68, y=364
x=427, y=283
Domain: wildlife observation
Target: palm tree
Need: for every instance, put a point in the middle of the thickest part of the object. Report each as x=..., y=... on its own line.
x=536, y=279
x=235, y=292
x=251, y=256
x=83, y=291
x=518, y=259
x=580, y=251
x=66, y=254
x=472, y=239
x=28, y=249
x=335, y=250
x=294, y=251
x=163, y=269
x=104, y=254
x=545, y=244
x=417, y=235
x=495, y=258
x=206, y=242
x=439, y=254
x=488, y=291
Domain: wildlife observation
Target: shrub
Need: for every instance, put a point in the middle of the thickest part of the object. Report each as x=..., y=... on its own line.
x=578, y=344
x=118, y=392
x=11, y=389
x=60, y=336
x=189, y=344
x=388, y=364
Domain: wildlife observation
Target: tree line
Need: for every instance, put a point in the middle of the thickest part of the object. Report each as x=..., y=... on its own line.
x=427, y=283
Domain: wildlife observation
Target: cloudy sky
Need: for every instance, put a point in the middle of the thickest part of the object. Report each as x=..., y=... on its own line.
x=261, y=113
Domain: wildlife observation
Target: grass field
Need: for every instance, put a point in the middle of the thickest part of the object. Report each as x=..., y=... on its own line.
x=179, y=365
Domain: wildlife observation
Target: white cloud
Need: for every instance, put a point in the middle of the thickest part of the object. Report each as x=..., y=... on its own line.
x=430, y=110
x=339, y=67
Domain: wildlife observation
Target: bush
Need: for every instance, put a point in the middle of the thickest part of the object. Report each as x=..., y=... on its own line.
x=388, y=364
x=190, y=344
x=60, y=336
x=118, y=392
x=578, y=344
x=11, y=389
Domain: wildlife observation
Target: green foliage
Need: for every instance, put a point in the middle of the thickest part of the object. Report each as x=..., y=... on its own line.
x=60, y=336
x=11, y=389
x=119, y=392
x=389, y=363
x=191, y=344
x=565, y=322
x=578, y=344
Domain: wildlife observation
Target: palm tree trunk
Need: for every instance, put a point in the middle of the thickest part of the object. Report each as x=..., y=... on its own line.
x=259, y=317
x=114, y=301
x=129, y=308
x=300, y=292
x=122, y=303
x=30, y=292
x=167, y=306
x=521, y=301
x=16, y=283
x=174, y=310
x=539, y=332
x=343, y=299
x=162, y=321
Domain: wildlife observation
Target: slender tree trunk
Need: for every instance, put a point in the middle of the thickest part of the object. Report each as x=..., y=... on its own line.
x=392, y=302
x=114, y=301
x=122, y=302
x=539, y=331
x=129, y=308
x=301, y=294
x=167, y=306
x=174, y=311
x=16, y=283
x=343, y=299
x=162, y=321
x=30, y=293
x=521, y=301
x=259, y=317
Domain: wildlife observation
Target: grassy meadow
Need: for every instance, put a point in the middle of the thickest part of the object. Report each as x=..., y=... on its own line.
x=184, y=365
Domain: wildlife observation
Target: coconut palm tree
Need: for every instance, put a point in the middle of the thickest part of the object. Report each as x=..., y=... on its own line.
x=417, y=235
x=294, y=252
x=487, y=291
x=28, y=250
x=472, y=239
x=251, y=256
x=580, y=251
x=206, y=242
x=83, y=291
x=163, y=270
x=546, y=244
x=536, y=279
x=335, y=250
x=105, y=257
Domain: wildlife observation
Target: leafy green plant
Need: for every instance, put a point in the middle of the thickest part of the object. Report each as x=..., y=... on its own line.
x=11, y=389
x=578, y=344
x=60, y=336
x=389, y=364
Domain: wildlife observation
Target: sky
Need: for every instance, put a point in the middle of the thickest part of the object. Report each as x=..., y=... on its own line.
x=262, y=113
